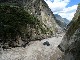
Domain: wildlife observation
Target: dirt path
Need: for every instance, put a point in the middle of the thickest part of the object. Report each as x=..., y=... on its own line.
x=35, y=51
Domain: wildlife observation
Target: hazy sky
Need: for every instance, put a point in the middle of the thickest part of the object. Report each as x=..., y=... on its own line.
x=65, y=8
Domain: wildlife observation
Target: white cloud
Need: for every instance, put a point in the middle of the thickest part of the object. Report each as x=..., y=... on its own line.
x=59, y=7
x=68, y=12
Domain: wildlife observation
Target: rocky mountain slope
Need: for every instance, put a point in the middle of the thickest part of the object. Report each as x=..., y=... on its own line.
x=63, y=22
x=40, y=9
x=36, y=50
x=66, y=21
x=28, y=20
x=71, y=41
x=17, y=25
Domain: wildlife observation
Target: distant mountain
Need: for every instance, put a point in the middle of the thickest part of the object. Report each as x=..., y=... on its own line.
x=62, y=22
x=66, y=21
x=58, y=17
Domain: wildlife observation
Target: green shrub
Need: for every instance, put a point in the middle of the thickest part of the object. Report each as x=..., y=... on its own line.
x=12, y=21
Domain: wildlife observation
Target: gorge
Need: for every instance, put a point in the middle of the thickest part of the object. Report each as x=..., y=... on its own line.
x=26, y=24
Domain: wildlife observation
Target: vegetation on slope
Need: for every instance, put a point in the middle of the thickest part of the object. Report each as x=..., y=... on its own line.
x=73, y=27
x=74, y=37
x=15, y=21
x=71, y=41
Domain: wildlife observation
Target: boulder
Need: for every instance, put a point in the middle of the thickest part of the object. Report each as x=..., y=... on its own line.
x=46, y=43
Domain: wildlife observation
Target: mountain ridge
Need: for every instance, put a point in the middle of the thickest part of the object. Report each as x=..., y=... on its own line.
x=46, y=25
x=63, y=22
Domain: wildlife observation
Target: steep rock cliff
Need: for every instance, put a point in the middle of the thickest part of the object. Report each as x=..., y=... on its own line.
x=18, y=25
x=71, y=41
x=46, y=25
x=39, y=9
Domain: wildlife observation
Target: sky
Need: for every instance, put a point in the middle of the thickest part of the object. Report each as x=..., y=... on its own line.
x=64, y=8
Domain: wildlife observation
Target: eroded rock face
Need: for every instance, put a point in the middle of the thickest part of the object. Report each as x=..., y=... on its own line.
x=46, y=27
x=39, y=9
x=71, y=41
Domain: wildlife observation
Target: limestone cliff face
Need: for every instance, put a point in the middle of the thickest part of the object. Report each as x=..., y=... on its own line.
x=46, y=25
x=40, y=9
x=71, y=41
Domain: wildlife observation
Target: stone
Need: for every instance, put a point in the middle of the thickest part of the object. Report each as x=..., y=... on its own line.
x=46, y=43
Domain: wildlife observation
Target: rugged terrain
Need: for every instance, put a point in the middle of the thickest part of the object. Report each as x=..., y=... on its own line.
x=26, y=25
x=35, y=51
x=26, y=20
x=62, y=22
x=71, y=41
